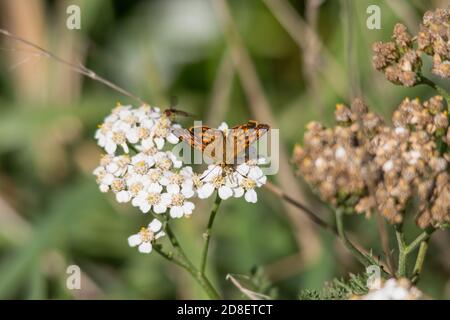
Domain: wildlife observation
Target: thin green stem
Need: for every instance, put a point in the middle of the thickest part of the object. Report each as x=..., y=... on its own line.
x=405, y=250
x=168, y=255
x=423, y=239
x=208, y=232
x=424, y=236
x=365, y=260
x=440, y=90
x=174, y=241
x=420, y=261
x=201, y=279
x=402, y=251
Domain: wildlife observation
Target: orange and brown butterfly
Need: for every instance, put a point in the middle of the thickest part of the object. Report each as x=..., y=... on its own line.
x=223, y=146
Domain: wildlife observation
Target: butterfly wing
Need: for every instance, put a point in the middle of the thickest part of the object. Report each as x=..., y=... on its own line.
x=205, y=139
x=241, y=137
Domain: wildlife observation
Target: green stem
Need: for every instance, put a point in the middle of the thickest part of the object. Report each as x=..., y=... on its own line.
x=405, y=250
x=366, y=261
x=423, y=240
x=402, y=251
x=208, y=232
x=424, y=236
x=420, y=261
x=440, y=90
x=201, y=279
x=168, y=255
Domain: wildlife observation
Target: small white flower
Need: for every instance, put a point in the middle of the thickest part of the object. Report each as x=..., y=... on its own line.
x=118, y=165
x=110, y=138
x=146, y=236
x=176, y=182
x=166, y=161
x=141, y=163
x=179, y=206
x=214, y=178
x=228, y=182
x=149, y=198
x=161, y=131
x=104, y=178
x=144, y=125
x=123, y=196
x=205, y=191
x=250, y=177
x=223, y=127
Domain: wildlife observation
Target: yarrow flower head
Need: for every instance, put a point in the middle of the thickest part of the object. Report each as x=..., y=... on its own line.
x=232, y=182
x=145, y=126
x=145, y=238
x=362, y=164
x=400, y=60
x=434, y=40
x=139, y=170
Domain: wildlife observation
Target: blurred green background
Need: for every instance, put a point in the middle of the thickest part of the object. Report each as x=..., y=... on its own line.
x=308, y=55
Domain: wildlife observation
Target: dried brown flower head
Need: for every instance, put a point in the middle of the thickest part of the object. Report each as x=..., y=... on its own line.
x=365, y=164
x=397, y=59
x=334, y=159
x=434, y=40
x=400, y=59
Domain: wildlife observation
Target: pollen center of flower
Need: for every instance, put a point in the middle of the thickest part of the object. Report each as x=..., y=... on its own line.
x=218, y=181
x=197, y=181
x=104, y=128
x=136, y=187
x=151, y=151
x=165, y=164
x=123, y=161
x=141, y=167
x=177, y=179
x=161, y=131
x=153, y=198
x=177, y=200
x=146, y=235
x=119, y=137
x=118, y=185
x=144, y=133
x=248, y=184
x=105, y=160
x=155, y=175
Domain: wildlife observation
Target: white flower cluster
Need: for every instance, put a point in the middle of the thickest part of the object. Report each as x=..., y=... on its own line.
x=394, y=289
x=145, y=126
x=153, y=179
x=238, y=182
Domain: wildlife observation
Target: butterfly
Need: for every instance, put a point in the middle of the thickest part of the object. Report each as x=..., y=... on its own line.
x=224, y=147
